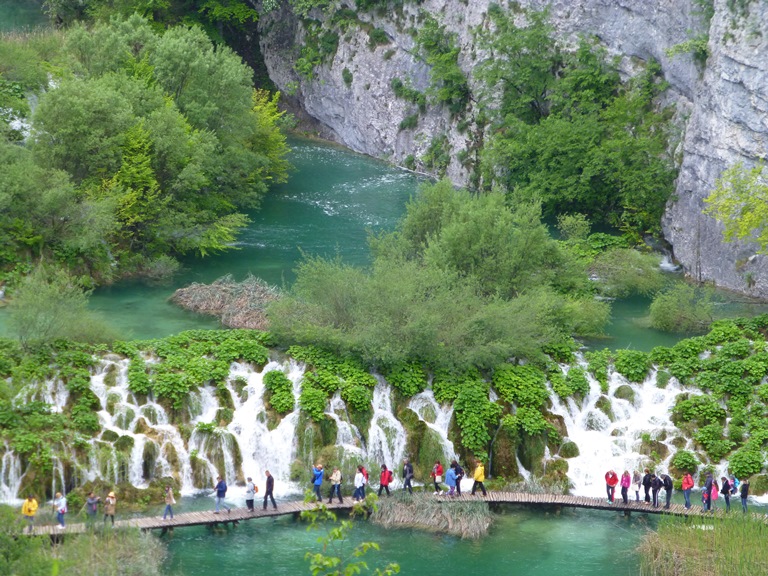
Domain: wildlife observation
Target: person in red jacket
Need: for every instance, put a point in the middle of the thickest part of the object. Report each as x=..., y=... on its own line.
x=611, y=479
x=437, y=476
x=385, y=479
x=687, y=486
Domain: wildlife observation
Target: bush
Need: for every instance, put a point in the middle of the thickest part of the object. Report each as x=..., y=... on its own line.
x=346, y=75
x=699, y=410
x=281, y=391
x=521, y=385
x=682, y=309
x=632, y=364
x=746, y=462
x=409, y=379
x=685, y=461
x=313, y=401
x=577, y=381
x=377, y=37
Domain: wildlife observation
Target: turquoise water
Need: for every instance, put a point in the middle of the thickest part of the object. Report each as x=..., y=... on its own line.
x=21, y=15
x=521, y=543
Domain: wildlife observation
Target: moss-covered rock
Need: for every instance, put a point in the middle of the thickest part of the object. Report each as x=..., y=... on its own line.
x=625, y=392
x=110, y=376
x=149, y=460
x=124, y=417
x=531, y=450
x=503, y=461
x=124, y=443
x=555, y=476
x=758, y=485
x=362, y=420
x=604, y=405
x=109, y=436
x=654, y=448
x=112, y=401
x=679, y=442
x=224, y=416
x=329, y=431
x=569, y=449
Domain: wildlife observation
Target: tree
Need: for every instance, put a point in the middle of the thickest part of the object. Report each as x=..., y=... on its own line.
x=682, y=308
x=49, y=304
x=740, y=203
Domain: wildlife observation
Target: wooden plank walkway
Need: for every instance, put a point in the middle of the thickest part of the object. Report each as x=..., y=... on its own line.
x=209, y=518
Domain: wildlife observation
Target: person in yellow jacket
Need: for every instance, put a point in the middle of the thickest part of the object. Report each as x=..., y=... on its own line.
x=28, y=510
x=479, y=477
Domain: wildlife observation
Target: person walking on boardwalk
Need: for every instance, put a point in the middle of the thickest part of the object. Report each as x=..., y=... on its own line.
x=365, y=482
x=666, y=480
x=637, y=482
x=715, y=494
x=60, y=507
x=437, y=476
x=269, y=489
x=450, y=480
x=611, y=479
x=706, y=494
x=359, y=494
x=28, y=510
x=744, y=490
x=407, y=475
x=110, y=503
x=92, y=506
x=335, y=485
x=687, y=487
x=317, y=480
x=656, y=485
x=647, y=479
x=250, y=493
x=221, y=493
x=385, y=479
x=726, y=492
x=170, y=501
x=459, y=476
x=626, y=480
x=479, y=478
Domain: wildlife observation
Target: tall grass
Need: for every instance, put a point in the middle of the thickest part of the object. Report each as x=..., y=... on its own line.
x=424, y=512
x=732, y=544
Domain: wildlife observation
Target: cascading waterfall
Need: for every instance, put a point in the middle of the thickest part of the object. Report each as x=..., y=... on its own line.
x=10, y=475
x=436, y=417
x=347, y=436
x=386, y=436
x=605, y=444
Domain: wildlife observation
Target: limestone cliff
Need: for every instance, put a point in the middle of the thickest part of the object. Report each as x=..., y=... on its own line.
x=720, y=105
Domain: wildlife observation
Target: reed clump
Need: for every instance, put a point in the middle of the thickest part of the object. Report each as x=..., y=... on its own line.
x=236, y=304
x=465, y=519
x=733, y=544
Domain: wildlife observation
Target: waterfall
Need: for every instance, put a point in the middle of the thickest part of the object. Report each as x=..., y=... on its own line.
x=347, y=436
x=437, y=418
x=10, y=476
x=386, y=436
x=605, y=444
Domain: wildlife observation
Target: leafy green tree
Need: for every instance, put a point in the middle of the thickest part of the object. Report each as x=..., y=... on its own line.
x=740, y=203
x=625, y=271
x=49, y=304
x=682, y=308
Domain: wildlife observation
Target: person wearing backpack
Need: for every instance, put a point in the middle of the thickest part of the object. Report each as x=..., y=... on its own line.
x=656, y=484
x=647, y=479
x=668, y=485
x=359, y=485
x=365, y=481
x=250, y=493
x=726, y=492
x=385, y=479
x=744, y=488
x=317, y=480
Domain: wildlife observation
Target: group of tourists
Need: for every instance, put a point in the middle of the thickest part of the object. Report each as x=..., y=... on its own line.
x=30, y=507
x=220, y=491
x=652, y=483
x=452, y=480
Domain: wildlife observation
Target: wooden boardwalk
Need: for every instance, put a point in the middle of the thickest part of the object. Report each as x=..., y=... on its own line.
x=237, y=515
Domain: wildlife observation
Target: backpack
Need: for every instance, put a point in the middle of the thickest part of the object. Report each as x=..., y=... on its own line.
x=365, y=474
x=390, y=476
x=459, y=472
x=667, y=482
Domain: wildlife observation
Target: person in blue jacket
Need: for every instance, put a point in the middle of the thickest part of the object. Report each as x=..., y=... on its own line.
x=450, y=480
x=221, y=493
x=317, y=480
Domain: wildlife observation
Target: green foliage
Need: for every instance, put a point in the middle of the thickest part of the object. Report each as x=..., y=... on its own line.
x=712, y=439
x=377, y=37
x=463, y=282
x=312, y=401
x=521, y=385
x=338, y=557
x=144, y=150
x=684, y=460
x=569, y=131
x=409, y=379
x=682, y=308
x=346, y=75
x=598, y=362
x=50, y=304
x=697, y=46
x=632, y=364
x=625, y=271
x=699, y=410
x=438, y=155
x=475, y=413
x=746, y=462
x=449, y=85
x=406, y=92
x=409, y=122
x=740, y=203
x=528, y=420
x=577, y=381
x=281, y=391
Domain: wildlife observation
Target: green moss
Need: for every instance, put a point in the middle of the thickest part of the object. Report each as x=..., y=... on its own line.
x=625, y=392
x=662, y=378
x=531, y=452
x=569, y=449
x=503, y=450
x=124, y=444
x=758, y=485
x=109, y=436
x=604, y=405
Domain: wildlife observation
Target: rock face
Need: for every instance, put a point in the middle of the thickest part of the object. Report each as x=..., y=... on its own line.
x=721, y=106
x=728, y=124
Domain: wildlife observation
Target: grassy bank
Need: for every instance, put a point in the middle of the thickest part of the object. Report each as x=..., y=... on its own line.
x=734, y=544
